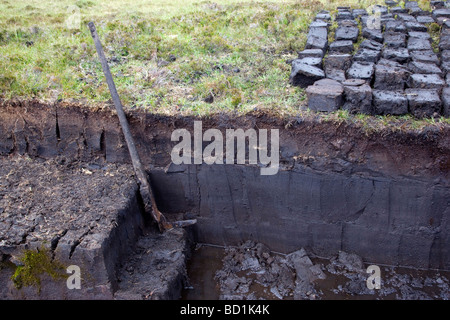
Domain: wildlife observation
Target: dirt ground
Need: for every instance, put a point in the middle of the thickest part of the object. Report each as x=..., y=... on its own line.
x=40, y=201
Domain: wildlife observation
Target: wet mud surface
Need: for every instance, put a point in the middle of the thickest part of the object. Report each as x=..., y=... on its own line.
x=251, y=271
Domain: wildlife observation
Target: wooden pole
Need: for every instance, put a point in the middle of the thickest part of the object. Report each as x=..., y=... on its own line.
x=144, y=185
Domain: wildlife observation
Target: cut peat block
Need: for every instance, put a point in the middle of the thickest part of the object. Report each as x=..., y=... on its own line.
x=325, y=95
x=361, y=70
x=423, y=103
x=390, y=76
x=446, y=102
x=426, y=81
x=358, y=96
x=304, y=75
x=390, y=102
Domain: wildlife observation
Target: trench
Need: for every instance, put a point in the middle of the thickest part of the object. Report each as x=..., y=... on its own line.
x=382, y=195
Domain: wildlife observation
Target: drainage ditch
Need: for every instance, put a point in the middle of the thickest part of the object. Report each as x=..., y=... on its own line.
x=341, y=193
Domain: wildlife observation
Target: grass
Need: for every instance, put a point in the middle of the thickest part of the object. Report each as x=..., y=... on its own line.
x=184, y=57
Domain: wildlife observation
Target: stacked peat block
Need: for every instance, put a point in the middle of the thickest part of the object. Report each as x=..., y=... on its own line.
x=390, y=73
x=307, y=68
x=395, y=69
x=325, y=95
x=426, y=83
x=444, y=47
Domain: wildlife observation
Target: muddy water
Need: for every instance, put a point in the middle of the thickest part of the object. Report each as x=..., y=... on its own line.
x=397, y=283
x=339, y=283
x=202, y=266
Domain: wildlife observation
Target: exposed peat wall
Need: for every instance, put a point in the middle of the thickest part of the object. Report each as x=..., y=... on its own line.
x=383, y=195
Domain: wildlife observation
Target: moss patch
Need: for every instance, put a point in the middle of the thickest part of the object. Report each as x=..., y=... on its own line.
x=35, y=264
x=434, y=30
